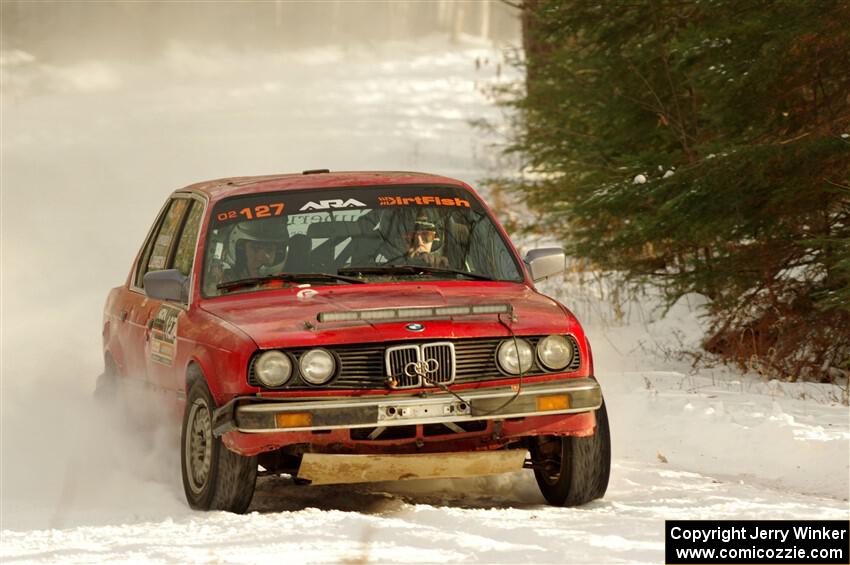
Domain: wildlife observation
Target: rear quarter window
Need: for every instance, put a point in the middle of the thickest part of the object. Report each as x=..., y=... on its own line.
x=185, y=254
x=156, y=252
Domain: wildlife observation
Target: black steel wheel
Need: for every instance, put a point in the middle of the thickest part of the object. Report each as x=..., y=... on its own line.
x=572, y=471
x=214, y=478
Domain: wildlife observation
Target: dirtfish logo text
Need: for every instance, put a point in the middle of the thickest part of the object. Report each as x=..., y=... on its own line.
x=333, y=203
x=421, y=201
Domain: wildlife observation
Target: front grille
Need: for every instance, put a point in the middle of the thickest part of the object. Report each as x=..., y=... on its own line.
x=411, y=366
x=398, y=358
x=444, y=355
x=366, y=366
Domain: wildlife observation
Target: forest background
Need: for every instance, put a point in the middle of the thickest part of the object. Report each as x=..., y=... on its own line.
x=699, y=147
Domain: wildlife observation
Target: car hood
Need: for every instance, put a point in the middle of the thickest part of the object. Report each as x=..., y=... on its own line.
x=288, y=317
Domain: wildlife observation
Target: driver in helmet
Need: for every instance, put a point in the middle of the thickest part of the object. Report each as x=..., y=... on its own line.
x=258, y=248
x=423, y=242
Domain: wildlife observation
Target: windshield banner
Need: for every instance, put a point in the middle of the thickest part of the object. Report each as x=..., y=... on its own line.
x=271, y=204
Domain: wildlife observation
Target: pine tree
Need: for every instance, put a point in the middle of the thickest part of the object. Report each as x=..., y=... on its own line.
x=702, y=146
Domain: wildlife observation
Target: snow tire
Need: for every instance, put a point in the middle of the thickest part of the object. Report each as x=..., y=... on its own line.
x=214, y=478
x=577, y=468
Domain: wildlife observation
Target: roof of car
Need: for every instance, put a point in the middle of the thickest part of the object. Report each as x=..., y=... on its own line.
x=222, y=188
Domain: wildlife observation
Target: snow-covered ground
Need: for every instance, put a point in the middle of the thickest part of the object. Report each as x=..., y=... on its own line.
x=90, y=151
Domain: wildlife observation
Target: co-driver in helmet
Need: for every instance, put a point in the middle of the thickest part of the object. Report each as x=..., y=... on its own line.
x=423, y=242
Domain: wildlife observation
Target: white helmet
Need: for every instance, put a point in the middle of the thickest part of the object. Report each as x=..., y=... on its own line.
x=270, y=230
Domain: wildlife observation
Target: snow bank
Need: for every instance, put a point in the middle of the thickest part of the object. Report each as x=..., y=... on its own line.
x=784, y=436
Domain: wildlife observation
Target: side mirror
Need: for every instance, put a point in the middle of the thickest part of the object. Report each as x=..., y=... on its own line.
x=169, y=284
x=546, y=262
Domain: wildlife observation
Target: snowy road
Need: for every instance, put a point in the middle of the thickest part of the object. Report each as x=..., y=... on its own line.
x=370, y=525
x=92, y=150
x=757, y=454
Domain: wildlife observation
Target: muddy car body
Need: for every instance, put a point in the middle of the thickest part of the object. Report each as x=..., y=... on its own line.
x=347, y=327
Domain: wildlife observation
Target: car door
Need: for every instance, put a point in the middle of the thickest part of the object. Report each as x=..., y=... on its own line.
x=122, y=339
x=163, y=348
x=139, y=307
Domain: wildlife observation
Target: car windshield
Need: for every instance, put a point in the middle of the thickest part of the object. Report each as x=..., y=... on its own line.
x=344, y=236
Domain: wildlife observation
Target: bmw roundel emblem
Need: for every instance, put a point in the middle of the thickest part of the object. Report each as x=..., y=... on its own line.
x=415, y=327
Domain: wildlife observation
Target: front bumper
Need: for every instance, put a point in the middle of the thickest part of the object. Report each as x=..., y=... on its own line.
x=263, y=415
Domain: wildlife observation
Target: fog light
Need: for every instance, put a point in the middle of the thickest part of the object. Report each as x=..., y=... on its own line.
x=559, y=402
x=295, y=420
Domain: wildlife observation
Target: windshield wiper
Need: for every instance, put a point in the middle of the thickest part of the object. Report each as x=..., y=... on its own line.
x=409, y=270
x=288, y=277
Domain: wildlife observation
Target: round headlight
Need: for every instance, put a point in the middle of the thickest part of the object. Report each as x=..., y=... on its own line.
x=515, y=356
x=555, y=352
x=317, y=366
x=273, y=368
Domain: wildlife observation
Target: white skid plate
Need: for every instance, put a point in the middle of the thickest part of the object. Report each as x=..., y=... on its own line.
x=323, y=469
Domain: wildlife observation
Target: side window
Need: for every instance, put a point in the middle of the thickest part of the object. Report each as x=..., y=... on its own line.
x=156, y=254
x=138, y=277
x=185, y=254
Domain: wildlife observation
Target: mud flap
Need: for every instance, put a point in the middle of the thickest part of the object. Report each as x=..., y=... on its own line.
x=323, y=469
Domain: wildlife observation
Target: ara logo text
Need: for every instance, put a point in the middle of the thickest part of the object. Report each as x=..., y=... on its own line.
x=333, y=203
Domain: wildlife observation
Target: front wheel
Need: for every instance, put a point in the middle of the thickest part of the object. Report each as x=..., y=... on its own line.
x=571, y=471
x=214, y=478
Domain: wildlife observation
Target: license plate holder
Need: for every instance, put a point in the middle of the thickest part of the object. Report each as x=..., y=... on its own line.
x=426, y=410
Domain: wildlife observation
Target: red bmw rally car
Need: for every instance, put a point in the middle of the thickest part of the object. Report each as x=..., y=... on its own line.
x=353, y=327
